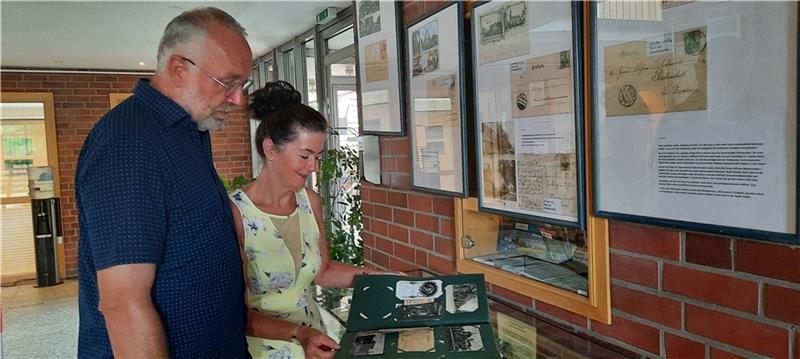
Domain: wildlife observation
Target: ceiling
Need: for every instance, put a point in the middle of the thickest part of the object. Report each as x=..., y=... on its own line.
x=120, y=35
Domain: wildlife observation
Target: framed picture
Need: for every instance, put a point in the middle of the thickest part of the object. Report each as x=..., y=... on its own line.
x=435, y=77
x=380, y=94
x=695, y=118
x=529, y=110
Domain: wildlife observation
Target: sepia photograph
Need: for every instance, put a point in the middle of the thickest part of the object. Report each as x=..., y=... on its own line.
x=465, y=338
x=425, y=48
x=503, y=32
x=369, y=17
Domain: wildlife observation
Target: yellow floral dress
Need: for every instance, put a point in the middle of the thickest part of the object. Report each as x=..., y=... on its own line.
x=277, y=284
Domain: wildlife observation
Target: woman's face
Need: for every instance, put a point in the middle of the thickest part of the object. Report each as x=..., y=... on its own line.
x=297, y=160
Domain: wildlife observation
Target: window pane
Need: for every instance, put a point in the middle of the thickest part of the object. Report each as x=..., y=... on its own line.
x=23, y=144
x=22, y=110
x=341, y=40
x=311, y=74
x=269, y=71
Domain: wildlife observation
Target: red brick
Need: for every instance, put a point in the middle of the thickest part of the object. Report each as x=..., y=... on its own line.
x=379, y=227
x=682, y=348
x=782, y=304
x=515, y=297
x=426, y=222
x=401, y=181
x=441, y=265
x=398, y=233
x=445, y=246
x=721, y=354
x=740, y=332
x=634, y=270
x=380, y=259
x=420, y=203
x=378, y=196
x=421, y=258
x=367, y=209
x=401, y=147
x=397, y=199
x=628, y=331
x=404, y=165
x=404, y=252
x=713, y=288
x=708, y=250
x=447, y=228
x=421, y=239
x=443, y=206
x=384, y=245
x=648, y=240
x=403, y=217
x=396, y=264
x=382, y=212
x=770, y=260
x=567, y=316
x=646, y=306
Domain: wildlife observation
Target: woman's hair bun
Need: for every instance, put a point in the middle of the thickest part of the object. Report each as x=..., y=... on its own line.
x=271, y=97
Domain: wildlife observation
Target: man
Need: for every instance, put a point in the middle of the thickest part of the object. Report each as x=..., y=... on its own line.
x=160, y=271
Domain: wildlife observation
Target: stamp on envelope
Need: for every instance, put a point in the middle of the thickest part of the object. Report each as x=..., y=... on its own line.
x=627, y=96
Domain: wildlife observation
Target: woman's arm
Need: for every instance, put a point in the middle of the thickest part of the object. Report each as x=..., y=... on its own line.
x=267, y=327
x=332, y=273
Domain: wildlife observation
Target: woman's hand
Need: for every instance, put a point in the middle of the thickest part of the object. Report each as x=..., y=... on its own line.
x=316, y=344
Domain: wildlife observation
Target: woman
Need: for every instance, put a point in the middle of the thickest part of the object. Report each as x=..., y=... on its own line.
x=281, y=233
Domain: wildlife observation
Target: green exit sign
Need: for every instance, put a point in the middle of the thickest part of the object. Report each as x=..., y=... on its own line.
x=326, y=15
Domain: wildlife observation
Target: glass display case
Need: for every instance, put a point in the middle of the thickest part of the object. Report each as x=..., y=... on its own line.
x=562, y=266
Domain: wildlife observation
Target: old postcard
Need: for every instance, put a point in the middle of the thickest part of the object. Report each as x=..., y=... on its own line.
x=417, y=340
x=465, y=338
x=377, y=61
x=406, y=289
x=425, y=48
x=503, y=32
x=542, y=86
x=461, y=298
x=498, y=162
x=368, y=343
x=662, y=74
x=436, y=119
x=369, y=17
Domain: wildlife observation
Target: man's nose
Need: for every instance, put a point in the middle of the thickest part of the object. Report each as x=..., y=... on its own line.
x=237, y=97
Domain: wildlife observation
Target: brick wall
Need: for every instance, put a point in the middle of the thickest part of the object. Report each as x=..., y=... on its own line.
x=673, y=293
x=80, y=100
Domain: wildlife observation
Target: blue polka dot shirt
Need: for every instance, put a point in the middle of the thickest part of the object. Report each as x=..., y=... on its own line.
x=147, y=192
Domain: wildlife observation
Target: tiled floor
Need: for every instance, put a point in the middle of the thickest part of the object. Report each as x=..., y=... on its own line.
x=40, y=322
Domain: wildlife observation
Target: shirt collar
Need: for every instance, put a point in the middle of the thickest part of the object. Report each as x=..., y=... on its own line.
x=165, y=107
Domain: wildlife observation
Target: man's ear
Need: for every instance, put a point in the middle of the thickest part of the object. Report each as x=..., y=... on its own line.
x=178, y=70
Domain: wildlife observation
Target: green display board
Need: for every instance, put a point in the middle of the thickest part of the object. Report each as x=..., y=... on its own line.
x=409, y=317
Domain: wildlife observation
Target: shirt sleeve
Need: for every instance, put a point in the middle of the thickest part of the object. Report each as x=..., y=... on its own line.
x=122, y=200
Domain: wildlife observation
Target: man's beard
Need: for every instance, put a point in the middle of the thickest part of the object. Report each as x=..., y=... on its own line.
x=210, y=124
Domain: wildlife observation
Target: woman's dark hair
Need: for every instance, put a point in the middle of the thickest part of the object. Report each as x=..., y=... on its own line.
x=279, y=108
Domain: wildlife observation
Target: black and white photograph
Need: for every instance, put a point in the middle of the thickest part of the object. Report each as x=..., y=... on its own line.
x=368, y=343
x=425, y=48
x=425, y=311
x=406, y=289
x=503, y=32
x=465, y=338
x=461, y=298
x=369, y=17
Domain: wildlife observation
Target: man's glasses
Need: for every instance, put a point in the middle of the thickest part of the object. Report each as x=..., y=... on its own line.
x=229, y=87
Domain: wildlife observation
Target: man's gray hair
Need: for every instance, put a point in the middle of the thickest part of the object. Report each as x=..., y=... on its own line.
x=187, y=26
